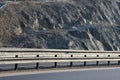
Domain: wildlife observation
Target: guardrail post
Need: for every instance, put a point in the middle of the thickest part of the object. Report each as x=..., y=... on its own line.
x=108, y=62
x=16, y=65
x=55, y=64
x=84, y=63
x=37, y=64
x=97, y=63
x=118, y=62
x=71, y=64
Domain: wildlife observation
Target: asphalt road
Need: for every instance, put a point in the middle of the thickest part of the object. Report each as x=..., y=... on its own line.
x=90, y=74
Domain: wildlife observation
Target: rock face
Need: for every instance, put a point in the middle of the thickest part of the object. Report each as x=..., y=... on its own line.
x=70, y=24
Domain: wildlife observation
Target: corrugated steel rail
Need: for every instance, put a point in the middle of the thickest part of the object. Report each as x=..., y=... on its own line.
x=16, y=56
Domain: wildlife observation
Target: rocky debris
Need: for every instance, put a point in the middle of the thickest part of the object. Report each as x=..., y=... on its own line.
x=73, y=24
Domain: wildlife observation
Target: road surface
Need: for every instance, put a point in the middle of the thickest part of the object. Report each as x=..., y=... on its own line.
x=75, y=74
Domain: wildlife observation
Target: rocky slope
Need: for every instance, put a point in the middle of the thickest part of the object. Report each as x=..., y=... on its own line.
x=70, y=24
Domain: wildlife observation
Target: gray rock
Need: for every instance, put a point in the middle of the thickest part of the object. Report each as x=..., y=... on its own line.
x=79, y=24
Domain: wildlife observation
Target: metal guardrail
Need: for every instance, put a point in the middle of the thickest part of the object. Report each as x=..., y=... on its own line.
x=17, y=56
